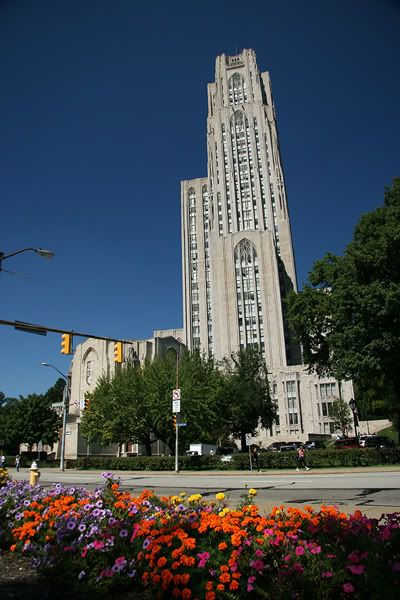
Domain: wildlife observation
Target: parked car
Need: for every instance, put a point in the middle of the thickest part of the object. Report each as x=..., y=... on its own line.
x=226, y=454
x=288, y=448
x=274, y=447
x=315, y=445
x=346, y=443
x=376, y=441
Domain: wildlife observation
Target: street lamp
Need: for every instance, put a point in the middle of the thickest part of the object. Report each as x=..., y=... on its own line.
x=64, y=413
x=354, y=409
x=41, y=251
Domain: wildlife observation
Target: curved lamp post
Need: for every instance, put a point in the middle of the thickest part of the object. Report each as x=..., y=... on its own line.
x=41, y=251
x=64, y=413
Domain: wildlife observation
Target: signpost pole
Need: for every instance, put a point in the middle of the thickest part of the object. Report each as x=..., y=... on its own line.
x=177, y=444
x=249, y=441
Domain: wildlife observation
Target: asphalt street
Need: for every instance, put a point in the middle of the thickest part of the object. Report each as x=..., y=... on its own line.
x=374, y=491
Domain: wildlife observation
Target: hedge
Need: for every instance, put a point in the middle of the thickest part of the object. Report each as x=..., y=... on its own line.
x=359, y=457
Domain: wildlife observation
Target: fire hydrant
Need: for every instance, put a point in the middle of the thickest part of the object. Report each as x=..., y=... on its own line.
x=34, y=474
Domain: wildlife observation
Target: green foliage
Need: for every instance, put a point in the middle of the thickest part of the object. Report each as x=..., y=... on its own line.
x=340, y=412
x=357, y=457
x=247, y=398
x=347, y=318
x=28, y=420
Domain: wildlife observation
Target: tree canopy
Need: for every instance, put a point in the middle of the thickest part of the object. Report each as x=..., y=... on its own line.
x=348, y=316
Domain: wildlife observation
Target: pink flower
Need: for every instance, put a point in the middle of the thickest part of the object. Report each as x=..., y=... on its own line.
x=234, y=567
x=98, y=545
x=316, y=550
x=287, y=557
x=258, y=565
x=354, y=557
x=203, y=556
x=356, y=569
x=250, y=581
x=348, y=588
x=120, y=560
x=259, y=552
x=299, y=550
x=331, y=556
x=327, y=574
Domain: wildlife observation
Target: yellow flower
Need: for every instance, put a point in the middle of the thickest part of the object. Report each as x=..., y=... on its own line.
x=220, y=496
x=223, y=512
x=194, y=497
x=252, y=492
x=182, y=494
x=277, y=512
x=174, y=499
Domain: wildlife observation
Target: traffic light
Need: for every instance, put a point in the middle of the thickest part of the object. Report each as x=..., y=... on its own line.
x=118, y=358
x=174, y=421
x=87, y=403
x=66, y=343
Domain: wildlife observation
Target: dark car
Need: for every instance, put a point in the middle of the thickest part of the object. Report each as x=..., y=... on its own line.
x=274, y=447
x=315, y=445
x=288, y=448
x=377, y=441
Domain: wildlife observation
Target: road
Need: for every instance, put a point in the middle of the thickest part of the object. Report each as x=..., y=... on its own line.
x=371, y=490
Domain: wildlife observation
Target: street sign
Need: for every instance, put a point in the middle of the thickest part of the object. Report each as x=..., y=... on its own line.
x=249, y=439
x=68, y=433
x=176, y=394
x=182, y=424
x=176, y=406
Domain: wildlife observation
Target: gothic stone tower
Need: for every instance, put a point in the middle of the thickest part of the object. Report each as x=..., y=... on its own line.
x=238, y=261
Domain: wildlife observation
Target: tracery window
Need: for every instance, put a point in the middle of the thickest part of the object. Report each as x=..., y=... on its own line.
x=237, y=89
x=248, y=295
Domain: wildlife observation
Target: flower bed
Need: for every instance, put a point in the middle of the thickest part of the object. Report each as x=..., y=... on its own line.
x=181, y=547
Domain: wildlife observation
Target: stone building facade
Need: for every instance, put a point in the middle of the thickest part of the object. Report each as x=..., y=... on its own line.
x=95, y=358
x=237, y=252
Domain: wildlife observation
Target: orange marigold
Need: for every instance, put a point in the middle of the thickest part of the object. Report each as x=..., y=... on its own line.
x=220, y=587
x=225, y=578
x=186, y=594
x=222, y=546
x=234, y=585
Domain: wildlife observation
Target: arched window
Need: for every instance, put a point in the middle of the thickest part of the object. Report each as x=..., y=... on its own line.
x=195, y=315
x=237, y=89
x=248, y=295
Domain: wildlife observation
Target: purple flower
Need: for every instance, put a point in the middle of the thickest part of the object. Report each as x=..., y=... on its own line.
x=99, y=504
x=146, y=543
x=123, y=533
x=88, y=507
x=131, y=573
x=82, y=527
x=71, y=523
x=81, y=575
x=96, y=512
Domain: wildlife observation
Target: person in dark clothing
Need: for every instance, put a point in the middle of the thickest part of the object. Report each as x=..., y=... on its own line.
x=255, y=457
x=301, y=459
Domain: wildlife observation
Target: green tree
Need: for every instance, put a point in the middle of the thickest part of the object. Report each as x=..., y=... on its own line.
x=202, y=386
x=347, y=318
x=341, y=415
x=247, y=397
x=31, y=420
x=116, y=413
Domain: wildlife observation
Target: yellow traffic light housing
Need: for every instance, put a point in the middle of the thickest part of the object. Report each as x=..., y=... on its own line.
x=87, y=404
x=118, y=354
x=66, y=343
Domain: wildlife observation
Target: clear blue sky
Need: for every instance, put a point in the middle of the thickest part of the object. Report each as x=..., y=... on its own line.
x=103, y=111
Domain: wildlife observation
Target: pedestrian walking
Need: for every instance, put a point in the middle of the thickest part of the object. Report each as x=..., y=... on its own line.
x=2, y=461
x=255, y=456
x=301, y=458
x=17, y=461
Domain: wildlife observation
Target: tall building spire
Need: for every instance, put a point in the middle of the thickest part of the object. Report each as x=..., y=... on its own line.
x=238, y=261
